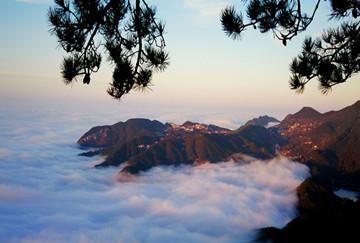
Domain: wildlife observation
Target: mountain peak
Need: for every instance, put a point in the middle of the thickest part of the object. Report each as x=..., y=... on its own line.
x=263, y=121
x=307, y=112
x=357, y=104
x=189, y=123
x=307, y=109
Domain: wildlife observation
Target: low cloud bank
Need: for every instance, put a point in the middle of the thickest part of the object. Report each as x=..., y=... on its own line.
x=48, y=194
x=222, y=202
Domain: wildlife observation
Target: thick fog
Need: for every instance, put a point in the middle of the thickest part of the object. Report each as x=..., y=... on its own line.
x=49, y=194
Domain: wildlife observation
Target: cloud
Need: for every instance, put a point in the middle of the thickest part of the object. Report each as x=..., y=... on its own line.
x=4, y=153
x=15, y=193
x=226, y=123
x=221, y=202
x=207, y=8
x=221, y=119
x=347, y=194
x=49, y=194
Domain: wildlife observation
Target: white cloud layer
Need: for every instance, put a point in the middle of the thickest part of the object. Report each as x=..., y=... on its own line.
x=48, y=194
x=210, y=203
x=208, y=8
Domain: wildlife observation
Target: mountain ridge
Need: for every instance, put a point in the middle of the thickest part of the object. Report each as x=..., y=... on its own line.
x=330, y=138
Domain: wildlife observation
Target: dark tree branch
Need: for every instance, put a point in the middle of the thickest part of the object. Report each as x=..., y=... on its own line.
x=122, y=27
x=332, y=60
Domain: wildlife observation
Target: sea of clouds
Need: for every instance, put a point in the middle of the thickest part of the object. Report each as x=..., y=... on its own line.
x=49, y=194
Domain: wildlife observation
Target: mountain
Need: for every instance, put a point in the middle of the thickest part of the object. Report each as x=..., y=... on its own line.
x=145, y=144
x=332, y=138
x=323, y=217
x=306, y=113
x=264, y=121
x=121, y=133
x=196, y=148
x=329, y=144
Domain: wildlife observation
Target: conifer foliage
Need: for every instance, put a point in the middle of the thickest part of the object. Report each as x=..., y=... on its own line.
x=331, y=59
x=127, y=31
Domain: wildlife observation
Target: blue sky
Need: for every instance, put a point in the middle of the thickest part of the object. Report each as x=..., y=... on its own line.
x=207, y=71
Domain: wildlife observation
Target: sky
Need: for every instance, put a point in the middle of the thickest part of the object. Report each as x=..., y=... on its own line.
x=209, y=72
